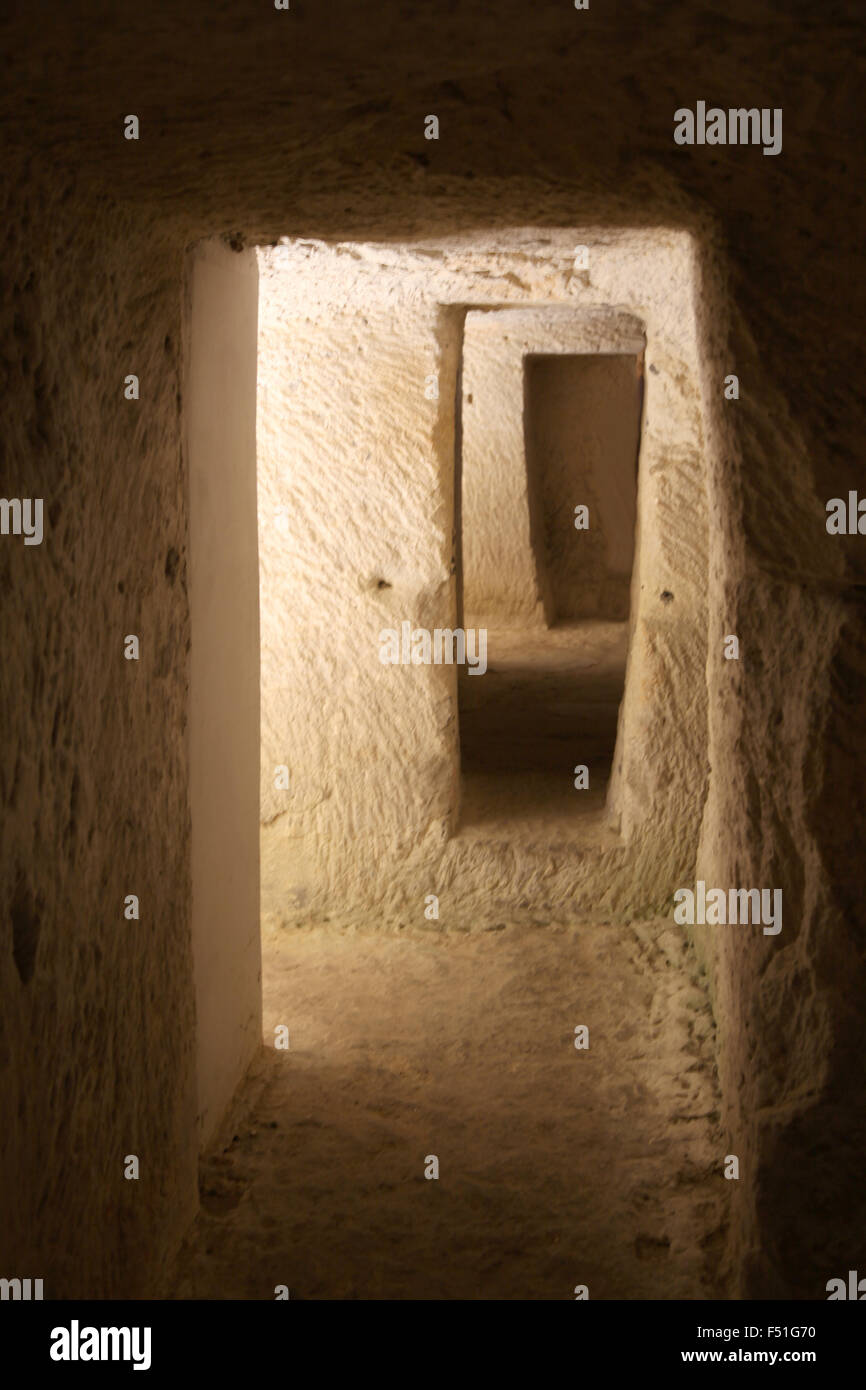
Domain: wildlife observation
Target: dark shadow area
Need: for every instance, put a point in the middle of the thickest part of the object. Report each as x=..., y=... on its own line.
x=545, y=700
x=582, y=429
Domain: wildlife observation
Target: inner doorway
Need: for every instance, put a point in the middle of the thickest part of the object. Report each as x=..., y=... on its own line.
x=541, y=725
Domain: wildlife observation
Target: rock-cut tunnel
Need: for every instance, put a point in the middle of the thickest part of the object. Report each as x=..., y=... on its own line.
x=421, y=641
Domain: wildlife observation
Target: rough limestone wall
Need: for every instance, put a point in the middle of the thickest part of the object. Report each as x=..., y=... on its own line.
x=355, y=535
x=356, y=495
x=96, y=1028
x=784, y=743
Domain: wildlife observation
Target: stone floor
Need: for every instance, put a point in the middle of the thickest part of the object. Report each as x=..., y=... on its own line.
x=557, y=1166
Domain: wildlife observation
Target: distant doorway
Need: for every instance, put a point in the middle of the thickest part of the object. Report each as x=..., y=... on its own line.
x=548, y=704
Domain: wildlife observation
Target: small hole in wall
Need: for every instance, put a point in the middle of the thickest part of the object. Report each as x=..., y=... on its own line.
x=26, y=921
x=666, y=596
